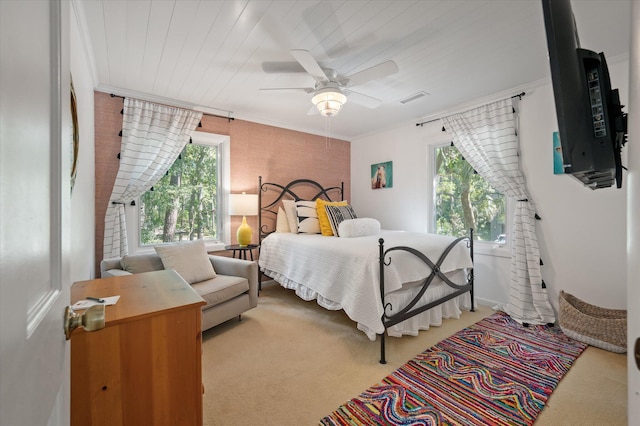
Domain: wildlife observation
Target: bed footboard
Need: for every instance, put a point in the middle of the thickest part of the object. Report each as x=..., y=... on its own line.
x=412, y=308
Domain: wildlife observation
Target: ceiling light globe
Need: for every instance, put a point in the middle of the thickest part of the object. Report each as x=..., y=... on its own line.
x=329, y=101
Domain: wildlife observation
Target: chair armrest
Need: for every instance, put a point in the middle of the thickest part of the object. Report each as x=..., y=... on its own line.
x=239, y=268
x=109, y=264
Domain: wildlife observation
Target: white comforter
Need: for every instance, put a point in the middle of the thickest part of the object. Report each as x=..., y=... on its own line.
x=342, y=273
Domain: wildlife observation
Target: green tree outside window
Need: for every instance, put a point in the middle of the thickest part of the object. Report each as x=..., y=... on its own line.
x=183, y=204
x=465, y=200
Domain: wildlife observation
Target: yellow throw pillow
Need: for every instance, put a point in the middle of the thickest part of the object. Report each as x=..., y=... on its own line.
x=325, y=225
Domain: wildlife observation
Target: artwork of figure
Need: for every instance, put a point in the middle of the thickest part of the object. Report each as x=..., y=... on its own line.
x=381, y=175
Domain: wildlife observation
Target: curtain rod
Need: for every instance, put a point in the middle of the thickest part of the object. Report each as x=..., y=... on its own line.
x=203, y=113
x=519, y=96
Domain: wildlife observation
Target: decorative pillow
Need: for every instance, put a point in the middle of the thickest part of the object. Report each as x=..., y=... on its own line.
x=307, y=217
x=139, y=263
x=360, y=227
x=337, y=214
x=190, y=260
x=325, y=225
x=292, y=215
x=282, y=223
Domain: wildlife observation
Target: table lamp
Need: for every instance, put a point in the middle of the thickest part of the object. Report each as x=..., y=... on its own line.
x=243, y=205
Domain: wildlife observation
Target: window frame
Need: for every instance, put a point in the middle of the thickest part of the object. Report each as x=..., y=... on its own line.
x=480, y=247
x=132, y=213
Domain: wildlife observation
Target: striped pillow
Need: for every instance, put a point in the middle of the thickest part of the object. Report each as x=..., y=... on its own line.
x=337, y=214
x=325, y=226
x=307, y=217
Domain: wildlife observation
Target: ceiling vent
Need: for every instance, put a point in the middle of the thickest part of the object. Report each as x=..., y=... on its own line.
x=413, y=97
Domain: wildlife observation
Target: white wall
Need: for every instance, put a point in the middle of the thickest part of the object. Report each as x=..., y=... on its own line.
x=82, y=197
x=582, y=232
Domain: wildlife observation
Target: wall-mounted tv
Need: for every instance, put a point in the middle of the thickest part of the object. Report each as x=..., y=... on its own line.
x=591, y=124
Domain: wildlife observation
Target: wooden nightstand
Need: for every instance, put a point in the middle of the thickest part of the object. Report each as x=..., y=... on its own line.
x=240, y=252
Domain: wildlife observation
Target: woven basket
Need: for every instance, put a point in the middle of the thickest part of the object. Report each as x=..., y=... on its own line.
x=600, y=327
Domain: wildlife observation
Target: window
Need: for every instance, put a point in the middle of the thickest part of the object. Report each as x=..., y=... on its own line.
x=187, y=203
x=463, y=199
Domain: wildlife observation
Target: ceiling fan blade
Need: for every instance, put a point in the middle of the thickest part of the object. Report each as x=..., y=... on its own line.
x=362, y=99
x=309, y=64
x=288, y=89
x=383, y=69
x=282, y=67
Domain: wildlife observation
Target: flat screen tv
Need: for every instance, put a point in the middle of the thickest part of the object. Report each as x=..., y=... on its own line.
x=591, y=124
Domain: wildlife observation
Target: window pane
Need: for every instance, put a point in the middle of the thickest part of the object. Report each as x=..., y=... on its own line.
x=465, y=200
x=182, y=205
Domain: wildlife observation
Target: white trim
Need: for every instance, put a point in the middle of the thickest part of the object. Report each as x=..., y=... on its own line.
x=85, y=38
x=224, y=183
x=487, y=302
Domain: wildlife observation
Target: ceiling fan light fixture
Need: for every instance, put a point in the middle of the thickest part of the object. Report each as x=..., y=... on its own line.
x=329, y=101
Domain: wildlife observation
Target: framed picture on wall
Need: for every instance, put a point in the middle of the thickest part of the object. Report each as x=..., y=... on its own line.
x=382, y=175
x=558, y=166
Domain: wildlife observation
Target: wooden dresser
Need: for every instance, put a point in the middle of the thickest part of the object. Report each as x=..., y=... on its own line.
x=144, y=367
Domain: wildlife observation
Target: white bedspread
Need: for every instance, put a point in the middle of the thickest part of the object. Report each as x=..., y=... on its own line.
x=342, y=273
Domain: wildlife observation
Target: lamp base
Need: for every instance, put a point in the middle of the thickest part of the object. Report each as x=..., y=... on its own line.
x=245, y=233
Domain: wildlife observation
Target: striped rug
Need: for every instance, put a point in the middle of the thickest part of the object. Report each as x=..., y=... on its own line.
x=495, y=372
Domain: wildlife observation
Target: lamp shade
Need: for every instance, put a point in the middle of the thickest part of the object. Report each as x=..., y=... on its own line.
x=243, y=204
x=329, y=101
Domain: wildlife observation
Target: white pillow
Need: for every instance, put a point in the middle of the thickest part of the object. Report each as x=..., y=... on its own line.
x=292, y=215
x=282, y=222
x=308, y=222
x=190, y=260
x=360, y=227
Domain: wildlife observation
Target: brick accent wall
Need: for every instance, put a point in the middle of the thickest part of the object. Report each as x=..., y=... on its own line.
x=277, y=154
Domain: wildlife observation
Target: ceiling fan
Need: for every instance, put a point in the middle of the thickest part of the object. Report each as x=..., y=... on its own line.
x=331, y=89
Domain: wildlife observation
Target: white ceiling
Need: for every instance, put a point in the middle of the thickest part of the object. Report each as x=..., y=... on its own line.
x=208, y=54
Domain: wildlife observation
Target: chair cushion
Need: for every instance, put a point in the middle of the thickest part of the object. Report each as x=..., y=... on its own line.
x=220, y=289
x=190, y=260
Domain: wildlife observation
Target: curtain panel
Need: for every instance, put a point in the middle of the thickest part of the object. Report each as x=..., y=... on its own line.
x=152, y=138
x=487, y=138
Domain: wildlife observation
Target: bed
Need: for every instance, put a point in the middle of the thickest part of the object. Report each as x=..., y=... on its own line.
x=388, y=282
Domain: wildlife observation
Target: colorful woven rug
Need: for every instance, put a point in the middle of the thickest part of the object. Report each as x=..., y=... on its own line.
x=495, y=372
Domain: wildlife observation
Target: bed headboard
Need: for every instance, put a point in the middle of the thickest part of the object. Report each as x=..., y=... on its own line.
x=271, y=194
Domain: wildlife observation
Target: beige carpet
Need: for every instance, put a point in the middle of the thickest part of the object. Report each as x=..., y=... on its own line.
x=290, y=362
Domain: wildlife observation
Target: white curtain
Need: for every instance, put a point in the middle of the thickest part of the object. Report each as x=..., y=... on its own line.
x=152, y=138
x=487, y=138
